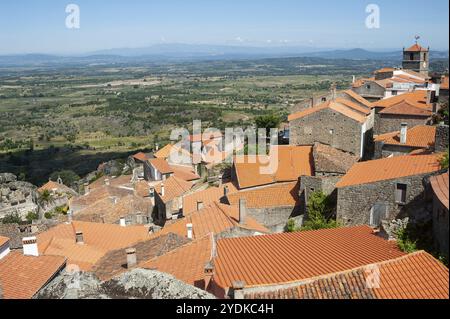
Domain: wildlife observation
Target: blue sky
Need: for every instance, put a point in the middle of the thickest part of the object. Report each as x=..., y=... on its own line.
x=30, y=26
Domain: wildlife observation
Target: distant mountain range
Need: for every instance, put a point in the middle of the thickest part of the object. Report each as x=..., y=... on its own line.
x=183, y=52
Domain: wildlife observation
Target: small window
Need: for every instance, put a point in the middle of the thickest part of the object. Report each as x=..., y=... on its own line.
x=324, y=99
x=400, y=193
x=394, y=93
x=411, y=56
x=331, y=132
x=368, y=86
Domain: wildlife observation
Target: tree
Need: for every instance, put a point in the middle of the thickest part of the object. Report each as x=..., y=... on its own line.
x=268, y=121
x=68, y=177
x=12, y=218
x=32, y=216
x=319, y=209
x=45, y=198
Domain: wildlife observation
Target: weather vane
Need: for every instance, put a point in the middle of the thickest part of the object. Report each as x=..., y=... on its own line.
x=417, y=37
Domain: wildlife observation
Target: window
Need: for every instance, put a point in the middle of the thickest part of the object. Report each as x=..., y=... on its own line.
x=394, y=93
x=324, y=99
x=368, y=86
x=400, y=193
x=411, y=56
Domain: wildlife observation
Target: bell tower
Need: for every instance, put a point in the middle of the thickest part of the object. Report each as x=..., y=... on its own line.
x=417, y=58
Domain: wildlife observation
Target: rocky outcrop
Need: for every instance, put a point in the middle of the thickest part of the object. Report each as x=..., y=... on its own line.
x=16, y=196
x=135, y=284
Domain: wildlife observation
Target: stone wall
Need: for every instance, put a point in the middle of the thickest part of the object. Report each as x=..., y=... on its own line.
x=311, y=184
x=355, y=202
x=374, y=93
x=440, y=227
x=384, y=151
x=441, y=138
x=274, y=218
x=346, y=134
x=387, y=123
x=16, y=196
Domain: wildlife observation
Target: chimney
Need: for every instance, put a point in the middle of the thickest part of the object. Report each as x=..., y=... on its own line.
x=189, y=231
x=122, y=222
x=30, y=247
x=163, y=191
x=353, y=79
x=79, y=238
x=225, y=191
x=209, y=273
x=131, y=257
x=242, y=210
x=86, y=188
x=238, y=289
x=157, y=147
x=107, y=181
x=200, y=205
x=333, y=92
x=403, y=133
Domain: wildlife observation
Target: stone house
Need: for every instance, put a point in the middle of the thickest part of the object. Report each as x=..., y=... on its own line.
x=405, y=141
x=159, y=169
x=169, y=199
x=413, y=108
x=340, y=123
x=417, y=58
x=384, y=190
x=440, y=193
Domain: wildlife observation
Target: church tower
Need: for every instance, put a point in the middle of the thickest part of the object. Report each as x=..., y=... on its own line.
x=417, y=58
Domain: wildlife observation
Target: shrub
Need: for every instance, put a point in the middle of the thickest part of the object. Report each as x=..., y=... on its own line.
x=48, y=215
x=319, y=208
x=444, y=160
x=404, y=242
x=32, y=216
x=12, y=218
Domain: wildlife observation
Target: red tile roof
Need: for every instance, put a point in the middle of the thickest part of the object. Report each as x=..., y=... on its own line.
x=389, y=168
x=416, y=98
x=337, y=106
x=186, y=263
x=184, y=172
x=164, y=152
x=444, y=83
x=173, y=187
x=98, y=240
x=417, y=48
x=207, y=197
x=21, y=277
x=422, y=136
x=3, y=240
x=288, y=257
x=440, y=188
x=54, y=186
x=415, y=276
x=293, y=162
x=276, y=195
x=161, y=165
x=140, y=156
x=406, y=108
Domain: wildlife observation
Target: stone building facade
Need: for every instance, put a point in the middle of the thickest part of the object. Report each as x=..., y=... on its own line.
x=386, y=123
x=441, y=143
x=371, y=90
x=361, y=204
x=331, y=128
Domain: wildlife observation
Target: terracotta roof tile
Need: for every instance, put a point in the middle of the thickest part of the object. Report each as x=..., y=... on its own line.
x=417, y=98
x=115, y=262
x=293, y=161
x=207, y=197
x=215, y=219
x=140, y=156
x=98, y=240
x=422, y=136
x=354, y=106
x=440, y=187
x=330, y=160
x=276, y=195
x=164, y=152
x=444, y=83
x=389, y=168
x=288, y=257
x=99, y=193
x=406, y=108
x=54, y=186
x=119, y=181
x=173, y=187
x=161, y=165
x=358, y=98
x=111, y=210
x=184, y=173
x=384, y=70
x=186, y=263
x=341, y=106
x=3, y=240
x=21, y=277
x=414, y=276
x=417, y=48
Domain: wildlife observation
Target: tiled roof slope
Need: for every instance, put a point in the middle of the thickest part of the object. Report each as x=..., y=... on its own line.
x=341, y=106
x=140, y=156
x=293, y=161
x=51, y=185
x=288, y=257
x=440, y=188
x=161, y=165
x=389, y=168
x=3, y=240
x=21, y=277
x=331, y=160
x=417, y=98
x=358, y=98
x=184, y=173
x=186, y=263
x=406, y=108
x=216, y=219
x=416, y=48
x=99, y=194
x=421, y=136
x=173, y=187
x=414, y=276
x=108, y=211
x=164, y=152
x=276, y=195
x=207, y=197
x=98, y=240
x=114, y=262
